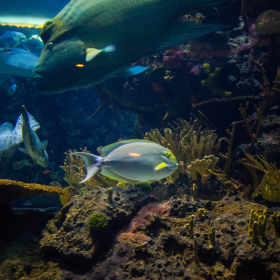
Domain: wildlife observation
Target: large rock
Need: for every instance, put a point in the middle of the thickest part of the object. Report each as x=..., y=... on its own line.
x=68, y=235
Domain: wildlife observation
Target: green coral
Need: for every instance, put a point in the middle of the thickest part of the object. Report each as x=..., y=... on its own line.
x=210, y=82
x=97, y=222
x=144, y=186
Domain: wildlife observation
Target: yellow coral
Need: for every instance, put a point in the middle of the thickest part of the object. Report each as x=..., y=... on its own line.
x=270, y=183
x=187, y=142
x=210, y=82
x=13, y=190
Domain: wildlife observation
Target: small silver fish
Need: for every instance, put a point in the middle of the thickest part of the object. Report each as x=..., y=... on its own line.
x=131, y=161
x=33, y=146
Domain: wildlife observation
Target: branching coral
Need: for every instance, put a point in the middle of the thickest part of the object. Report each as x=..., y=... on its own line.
x=188, y=143
x=13, y=190
x=270, y=183
x=230, y=184
x=75, y=171
x=227, y=156
x=202, y=167
x=259, y=111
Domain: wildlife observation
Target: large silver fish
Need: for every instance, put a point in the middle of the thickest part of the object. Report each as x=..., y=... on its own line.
x=131, y=161
x=17, y=62
x=91, y=41
x=33, y=146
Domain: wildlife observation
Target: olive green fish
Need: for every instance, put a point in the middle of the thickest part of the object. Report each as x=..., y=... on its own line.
x=131, y=161
x=91, y=41
x=33, y=146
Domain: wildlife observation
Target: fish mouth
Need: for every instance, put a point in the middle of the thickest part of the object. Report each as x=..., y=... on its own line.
x=40, y=82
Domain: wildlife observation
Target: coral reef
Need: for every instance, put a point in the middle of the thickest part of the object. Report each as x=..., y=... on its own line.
x=12, y=190
x=270, y=183
x=68, y=235
x=210, y=82
x=193, y=148
x=268, y=23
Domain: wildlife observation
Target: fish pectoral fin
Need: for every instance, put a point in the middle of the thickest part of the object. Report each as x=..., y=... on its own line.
x=160, y=166
x=183, y=32
x=130, y=71
x=23, y=150
x=92, y=53
x=44, y=145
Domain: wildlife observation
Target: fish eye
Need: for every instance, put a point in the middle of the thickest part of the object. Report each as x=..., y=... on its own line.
x=50, y=45
x=167, y=154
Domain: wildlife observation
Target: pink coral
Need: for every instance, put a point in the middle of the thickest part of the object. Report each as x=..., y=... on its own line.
x=141, y=220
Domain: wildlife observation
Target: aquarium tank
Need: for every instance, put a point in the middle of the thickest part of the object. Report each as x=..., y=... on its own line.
x=140, y=139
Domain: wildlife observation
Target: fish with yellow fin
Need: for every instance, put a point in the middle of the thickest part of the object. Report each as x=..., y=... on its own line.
x=131, y=161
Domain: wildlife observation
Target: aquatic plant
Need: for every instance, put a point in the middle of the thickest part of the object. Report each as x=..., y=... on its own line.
x=210, y=82
x=145, y=186
x=212, y=237
x=13, y=190
x=97, y=222
x=270, y=183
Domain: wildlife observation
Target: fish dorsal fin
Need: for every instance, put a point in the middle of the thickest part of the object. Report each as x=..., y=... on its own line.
x=160, y=166
x=108, y=149
x=116, y=177
x=185, y=31
x=44, y=145
x=92, y=53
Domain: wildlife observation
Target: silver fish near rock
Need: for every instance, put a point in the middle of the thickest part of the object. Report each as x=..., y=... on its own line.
x=17, y=62
x=10, y=139
x=91, y=41
x=131, y=161
x=33, y=146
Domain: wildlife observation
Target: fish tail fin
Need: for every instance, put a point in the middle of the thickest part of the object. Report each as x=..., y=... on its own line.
x=91, y=161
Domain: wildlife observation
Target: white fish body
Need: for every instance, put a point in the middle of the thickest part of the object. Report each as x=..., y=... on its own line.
x=131, y=161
